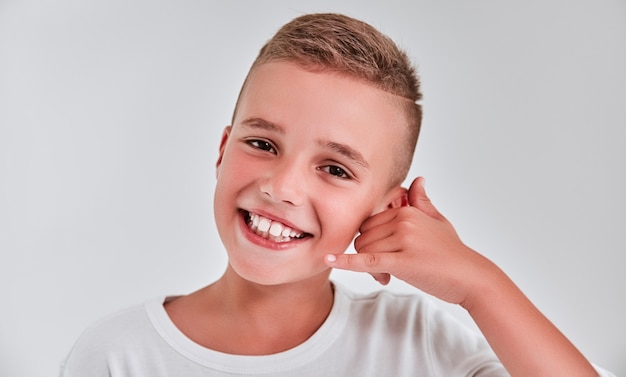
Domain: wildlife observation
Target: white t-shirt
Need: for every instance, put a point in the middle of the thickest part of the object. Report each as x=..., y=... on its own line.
x=379, y=334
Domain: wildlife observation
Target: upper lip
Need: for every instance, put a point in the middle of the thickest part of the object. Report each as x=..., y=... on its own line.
x=277, y=218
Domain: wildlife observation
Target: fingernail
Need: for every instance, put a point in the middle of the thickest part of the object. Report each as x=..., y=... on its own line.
x=331, y=258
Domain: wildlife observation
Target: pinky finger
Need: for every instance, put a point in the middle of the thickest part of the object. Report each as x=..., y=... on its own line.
x=381, y=277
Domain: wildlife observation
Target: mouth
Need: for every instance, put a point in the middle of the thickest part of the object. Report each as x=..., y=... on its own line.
x=271, y=229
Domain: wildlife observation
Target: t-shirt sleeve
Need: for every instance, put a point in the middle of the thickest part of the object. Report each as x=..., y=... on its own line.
x=87, y=358
x=459, y=351
x=456, y=350
x=603, y=372
x=100, y=350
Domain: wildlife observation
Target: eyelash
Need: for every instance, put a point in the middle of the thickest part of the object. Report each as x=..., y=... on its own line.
x=343, y=173
x=267, y=146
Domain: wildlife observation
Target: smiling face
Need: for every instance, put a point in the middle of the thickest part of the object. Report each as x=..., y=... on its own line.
x=308, y=158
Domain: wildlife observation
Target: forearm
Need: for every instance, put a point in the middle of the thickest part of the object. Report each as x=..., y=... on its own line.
x=417, y=244
x=526, y=342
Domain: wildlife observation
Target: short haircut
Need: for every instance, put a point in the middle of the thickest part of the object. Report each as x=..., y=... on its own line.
x=347, y=46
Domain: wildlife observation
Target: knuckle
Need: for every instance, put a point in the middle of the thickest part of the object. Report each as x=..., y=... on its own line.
x=405, y=225
x=370, y=260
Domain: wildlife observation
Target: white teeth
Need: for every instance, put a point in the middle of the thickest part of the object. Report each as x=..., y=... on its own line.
x=264, y=225
x=276, y=229
x=269, y=229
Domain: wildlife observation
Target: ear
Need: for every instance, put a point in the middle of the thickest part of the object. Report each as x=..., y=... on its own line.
x=395, y=197
x=223, y=143
x=401, y=199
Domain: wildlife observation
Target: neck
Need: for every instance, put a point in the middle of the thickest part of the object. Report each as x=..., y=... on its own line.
x=240, y=295
x=241, y=317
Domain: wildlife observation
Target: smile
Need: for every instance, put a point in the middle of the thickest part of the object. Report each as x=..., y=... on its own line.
x=271, y=229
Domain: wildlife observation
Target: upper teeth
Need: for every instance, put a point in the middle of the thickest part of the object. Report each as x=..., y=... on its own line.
x=271, y=229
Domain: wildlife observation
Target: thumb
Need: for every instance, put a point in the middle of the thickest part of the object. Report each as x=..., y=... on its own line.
x=418, y=199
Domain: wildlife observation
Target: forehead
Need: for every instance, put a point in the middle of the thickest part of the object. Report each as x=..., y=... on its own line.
x=322, y=104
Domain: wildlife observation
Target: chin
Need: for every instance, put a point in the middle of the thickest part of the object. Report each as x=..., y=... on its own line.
x=274, y=276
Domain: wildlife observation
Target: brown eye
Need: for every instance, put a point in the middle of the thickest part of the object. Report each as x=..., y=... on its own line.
x=336, y=171
x=262, y=145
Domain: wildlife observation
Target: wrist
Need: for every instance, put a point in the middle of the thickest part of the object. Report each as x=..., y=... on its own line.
x=489, y=285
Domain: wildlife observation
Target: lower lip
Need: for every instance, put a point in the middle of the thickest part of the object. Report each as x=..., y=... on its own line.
x=264, y=242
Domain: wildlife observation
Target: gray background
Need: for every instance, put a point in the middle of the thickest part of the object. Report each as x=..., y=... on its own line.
x=110, y=117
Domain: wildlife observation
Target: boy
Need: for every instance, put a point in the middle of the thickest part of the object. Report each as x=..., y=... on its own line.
x=321, y=139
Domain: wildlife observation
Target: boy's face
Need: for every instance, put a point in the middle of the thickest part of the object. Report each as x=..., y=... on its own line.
x=308, y=159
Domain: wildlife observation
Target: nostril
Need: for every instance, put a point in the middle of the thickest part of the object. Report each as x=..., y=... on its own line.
x=281, y=188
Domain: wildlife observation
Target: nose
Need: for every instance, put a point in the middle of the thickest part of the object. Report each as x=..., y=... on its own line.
x=284, y=183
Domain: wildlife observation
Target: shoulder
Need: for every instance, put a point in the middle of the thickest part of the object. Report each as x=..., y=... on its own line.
x=411, y=316
x=392, y=306
x=119, y=326
x=413, y=327
x=110, y=337
x=415, y=313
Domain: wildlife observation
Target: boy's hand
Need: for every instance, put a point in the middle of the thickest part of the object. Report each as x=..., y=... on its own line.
x=415, y=243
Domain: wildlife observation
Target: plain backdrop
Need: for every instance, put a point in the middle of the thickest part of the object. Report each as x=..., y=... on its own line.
x=111, y=113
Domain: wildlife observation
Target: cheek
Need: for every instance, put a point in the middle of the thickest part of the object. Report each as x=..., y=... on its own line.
x=232, y=177
x=345, y=219
x=234, y=172
x=352, y=206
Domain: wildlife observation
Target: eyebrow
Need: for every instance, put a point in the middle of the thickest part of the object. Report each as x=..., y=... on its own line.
x=345, y=151
x=342, y=149
x=263, y=124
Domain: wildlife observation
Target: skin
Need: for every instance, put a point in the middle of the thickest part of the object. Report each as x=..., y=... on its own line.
x=280, y=158
x=296, y=152
x=417, y=244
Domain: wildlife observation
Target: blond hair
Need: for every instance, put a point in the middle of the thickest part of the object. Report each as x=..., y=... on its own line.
x=347, y=46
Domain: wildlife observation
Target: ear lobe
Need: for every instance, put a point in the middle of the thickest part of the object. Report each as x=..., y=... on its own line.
x=223, y=143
